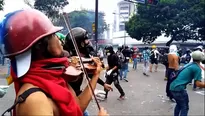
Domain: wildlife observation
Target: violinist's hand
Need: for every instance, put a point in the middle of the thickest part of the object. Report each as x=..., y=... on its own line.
x=99, y=65
x=108, y=87
x=102, y=112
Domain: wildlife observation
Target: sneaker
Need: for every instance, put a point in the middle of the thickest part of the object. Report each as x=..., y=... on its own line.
x=122, y=97
x=125, y=79
x=145, y=74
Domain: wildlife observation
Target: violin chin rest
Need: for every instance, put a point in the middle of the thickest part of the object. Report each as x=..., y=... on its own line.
x=72, y=71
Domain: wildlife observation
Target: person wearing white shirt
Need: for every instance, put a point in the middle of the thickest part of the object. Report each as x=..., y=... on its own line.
x=154, y=58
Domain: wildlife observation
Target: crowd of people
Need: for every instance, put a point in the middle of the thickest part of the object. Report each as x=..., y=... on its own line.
x=47, y=80
x=178, y=76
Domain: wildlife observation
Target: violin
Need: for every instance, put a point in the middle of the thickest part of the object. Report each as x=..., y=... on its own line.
x=74, y=68
x=87, y=62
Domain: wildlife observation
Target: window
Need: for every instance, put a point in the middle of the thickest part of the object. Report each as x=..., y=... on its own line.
x=124, y=13
x=124, y=8
x=121, y=28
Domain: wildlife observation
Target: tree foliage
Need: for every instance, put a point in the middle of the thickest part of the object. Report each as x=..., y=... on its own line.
x=84, y=19
x=50, y=7
x=180, y=19
x=1, y=4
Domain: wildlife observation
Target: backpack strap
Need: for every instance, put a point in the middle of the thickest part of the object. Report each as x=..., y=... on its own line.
x=21, y=98
x=184, y=67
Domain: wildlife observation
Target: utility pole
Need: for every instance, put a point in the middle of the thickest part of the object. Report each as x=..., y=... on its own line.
x=96, y=24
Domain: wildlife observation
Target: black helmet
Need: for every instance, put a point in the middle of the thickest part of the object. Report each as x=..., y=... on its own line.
x=109, y=49
x=80, y=35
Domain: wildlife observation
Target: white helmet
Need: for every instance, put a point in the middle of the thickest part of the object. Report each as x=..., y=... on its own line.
x=172, y=48
x=198, y=55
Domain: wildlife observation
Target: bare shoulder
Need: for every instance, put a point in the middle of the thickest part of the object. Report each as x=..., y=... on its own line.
x=36, y=103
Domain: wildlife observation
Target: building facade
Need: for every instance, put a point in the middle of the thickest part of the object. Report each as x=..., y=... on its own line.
x=122, y=14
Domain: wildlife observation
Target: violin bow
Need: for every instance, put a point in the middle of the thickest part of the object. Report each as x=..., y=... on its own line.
x=67, y=22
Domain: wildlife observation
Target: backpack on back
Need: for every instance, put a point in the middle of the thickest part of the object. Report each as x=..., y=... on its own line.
x=121, y=59
x=152, y=56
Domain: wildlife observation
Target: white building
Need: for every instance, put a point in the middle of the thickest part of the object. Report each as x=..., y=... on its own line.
x=122, y=14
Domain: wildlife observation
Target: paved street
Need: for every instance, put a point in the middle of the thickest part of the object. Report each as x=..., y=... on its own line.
x=144, y=96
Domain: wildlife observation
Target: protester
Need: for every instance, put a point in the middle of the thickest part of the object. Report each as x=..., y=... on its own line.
x=81, y=38
x=173, y=65
x=38, y=67
x=154, y=58
x=186, y=57
x=178, y=86
x=125, y=68
x=112, y=71
x=198, y=48
x=164, y=61
x=121, y=58
x=134, y=58
x=85, y=49
x=146, y=57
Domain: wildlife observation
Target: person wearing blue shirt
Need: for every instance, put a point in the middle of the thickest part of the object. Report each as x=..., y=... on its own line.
x=178, y=86
x=146, y=58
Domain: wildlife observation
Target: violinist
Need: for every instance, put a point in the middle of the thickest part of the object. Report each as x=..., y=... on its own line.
x=86, y=50
x=38, y=67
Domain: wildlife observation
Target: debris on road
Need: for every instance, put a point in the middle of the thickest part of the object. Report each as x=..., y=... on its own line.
x=143, y=102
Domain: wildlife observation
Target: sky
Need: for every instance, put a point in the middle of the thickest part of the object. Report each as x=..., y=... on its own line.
x=106, y=6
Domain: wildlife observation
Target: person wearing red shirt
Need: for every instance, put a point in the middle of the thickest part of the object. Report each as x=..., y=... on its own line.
x=134, y=58
x=38, y=67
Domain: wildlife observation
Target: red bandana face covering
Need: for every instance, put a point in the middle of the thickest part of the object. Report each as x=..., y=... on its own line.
x=51, y=81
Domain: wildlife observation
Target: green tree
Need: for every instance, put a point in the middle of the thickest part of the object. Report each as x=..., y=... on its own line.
x=171, y=17
x=50, y=7
x=1, y=4
x=84, y=19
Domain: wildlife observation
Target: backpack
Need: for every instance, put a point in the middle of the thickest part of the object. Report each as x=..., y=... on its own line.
x=174, y=74
x=126, y=55
x=121, y=59
x=152, y=56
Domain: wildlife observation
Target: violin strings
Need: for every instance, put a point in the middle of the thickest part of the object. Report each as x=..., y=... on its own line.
x=67, y=22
